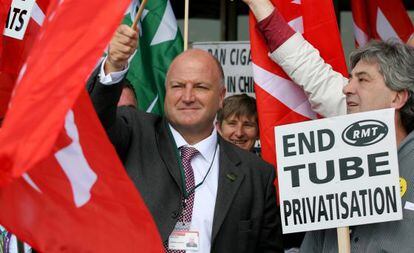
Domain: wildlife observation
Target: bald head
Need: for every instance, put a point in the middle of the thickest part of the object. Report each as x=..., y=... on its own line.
x=203, y=56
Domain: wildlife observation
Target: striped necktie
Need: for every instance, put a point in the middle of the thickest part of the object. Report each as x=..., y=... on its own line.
x=187, y=153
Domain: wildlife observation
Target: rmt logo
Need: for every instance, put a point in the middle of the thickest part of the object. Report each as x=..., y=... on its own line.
x=364, y=133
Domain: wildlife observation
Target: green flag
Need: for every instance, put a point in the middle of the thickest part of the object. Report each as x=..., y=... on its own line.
x=160, y=41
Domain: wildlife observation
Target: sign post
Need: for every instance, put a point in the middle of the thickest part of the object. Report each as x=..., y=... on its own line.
x=344, y=242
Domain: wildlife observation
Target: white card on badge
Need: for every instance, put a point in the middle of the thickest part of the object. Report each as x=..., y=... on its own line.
x=184, y=240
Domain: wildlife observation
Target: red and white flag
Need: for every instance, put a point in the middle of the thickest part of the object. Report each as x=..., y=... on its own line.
x=62, y=187
x=14, y=51
x=279, y=100
x=380, y=19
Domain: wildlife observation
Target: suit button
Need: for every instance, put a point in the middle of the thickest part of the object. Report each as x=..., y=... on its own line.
x=356, y=239
x=175, y=214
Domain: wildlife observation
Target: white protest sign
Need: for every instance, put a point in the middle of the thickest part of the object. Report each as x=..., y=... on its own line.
x=18, y=18
x=337, y=172
x=235, y=59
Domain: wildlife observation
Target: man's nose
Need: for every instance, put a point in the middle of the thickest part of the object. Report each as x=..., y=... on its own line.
x=349, y=88
x=188, y=95
x=239, y=131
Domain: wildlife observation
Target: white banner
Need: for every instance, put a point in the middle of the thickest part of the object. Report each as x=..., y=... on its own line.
x=235, y=59
x=18, y=18
x=340, y=171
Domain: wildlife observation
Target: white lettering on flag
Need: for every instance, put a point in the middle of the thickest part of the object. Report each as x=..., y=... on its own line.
x=74, y=164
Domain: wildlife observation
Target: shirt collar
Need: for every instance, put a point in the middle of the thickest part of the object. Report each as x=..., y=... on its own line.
x=206, y=147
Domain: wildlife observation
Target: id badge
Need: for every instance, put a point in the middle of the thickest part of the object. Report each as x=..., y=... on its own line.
x=183, y=239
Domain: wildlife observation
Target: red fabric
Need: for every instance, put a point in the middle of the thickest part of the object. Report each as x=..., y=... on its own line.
x=360, y=18
x=5, y=83
x=44, y=209
x=4, y=8
x=321, y=30
x=13, y=53
x=366, y=16
x=115, y=219
x=56, y=72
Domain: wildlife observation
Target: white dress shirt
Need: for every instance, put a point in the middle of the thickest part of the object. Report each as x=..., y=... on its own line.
x=205, y=194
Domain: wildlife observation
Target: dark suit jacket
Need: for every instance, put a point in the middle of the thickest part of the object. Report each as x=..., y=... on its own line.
x=246, y=218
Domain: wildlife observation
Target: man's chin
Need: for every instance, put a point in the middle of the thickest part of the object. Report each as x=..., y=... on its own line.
x=352, y=109
x=242, y=145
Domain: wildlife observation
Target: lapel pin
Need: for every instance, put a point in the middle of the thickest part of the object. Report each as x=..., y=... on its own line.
x=231, y=176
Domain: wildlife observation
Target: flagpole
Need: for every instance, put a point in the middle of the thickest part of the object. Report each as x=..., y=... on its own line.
x=344, y=243
x=186, y=8
x=138, y=16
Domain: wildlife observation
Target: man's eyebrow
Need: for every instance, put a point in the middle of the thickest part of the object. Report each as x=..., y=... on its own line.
x=358, y=74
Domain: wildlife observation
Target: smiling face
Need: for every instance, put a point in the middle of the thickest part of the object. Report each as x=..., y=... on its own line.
x=194, y=94
x=242, y=131
x=367, y=90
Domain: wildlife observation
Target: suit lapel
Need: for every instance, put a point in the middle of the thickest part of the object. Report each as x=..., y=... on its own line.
x=230, y=178
x=167, y=151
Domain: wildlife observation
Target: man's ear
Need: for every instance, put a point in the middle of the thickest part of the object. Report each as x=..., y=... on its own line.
x=400, y=99
x=222, y=96
x=218, y=127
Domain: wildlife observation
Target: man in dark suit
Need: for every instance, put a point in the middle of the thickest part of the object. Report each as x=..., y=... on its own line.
x=233, y=207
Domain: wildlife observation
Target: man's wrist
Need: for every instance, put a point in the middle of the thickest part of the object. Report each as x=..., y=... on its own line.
x=275, y=30
x=261, y=9
x=111, y=66
x=109, y=78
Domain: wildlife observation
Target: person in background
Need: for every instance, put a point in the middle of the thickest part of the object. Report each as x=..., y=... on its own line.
x=237, y=121
x=128, y=96
x=382, y=77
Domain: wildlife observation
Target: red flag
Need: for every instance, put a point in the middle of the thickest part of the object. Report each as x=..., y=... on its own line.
x=380, y=19
x=279, y=100
x=71, y=41
x=4, y=8
x=13, y=52
x=74, y=195
x=79, y=199
x=6, y=84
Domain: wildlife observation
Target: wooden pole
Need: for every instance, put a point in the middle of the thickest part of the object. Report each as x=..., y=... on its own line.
x=138, y=16
x=344, y=243
x=186, y=10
